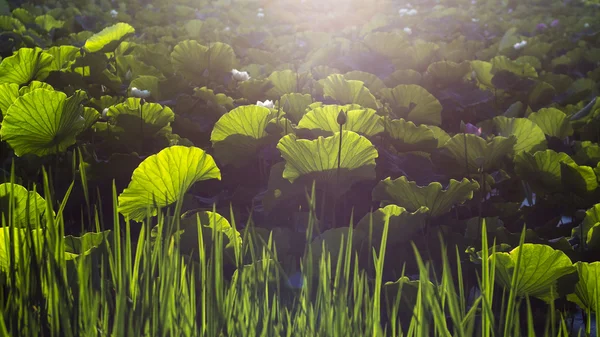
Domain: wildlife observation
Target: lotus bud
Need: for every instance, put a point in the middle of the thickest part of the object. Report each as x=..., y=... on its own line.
x=267, y=104
x=105, y=113
x=135, y=92
x=240, y=76
x=114, y=13
x=342, y=118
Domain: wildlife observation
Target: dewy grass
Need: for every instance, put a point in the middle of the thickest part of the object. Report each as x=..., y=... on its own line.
x=144, y=286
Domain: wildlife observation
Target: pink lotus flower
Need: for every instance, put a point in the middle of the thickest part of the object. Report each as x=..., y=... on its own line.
x=555, y=23
x=472, y=129
x=541, y=26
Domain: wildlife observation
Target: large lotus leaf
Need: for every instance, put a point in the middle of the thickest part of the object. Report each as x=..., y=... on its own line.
x=146, y=82
x=254, y=89
x=579, y=179
x=372, y=82
x=540, y=271
x=90, y=116
x=553, y=122
x=25, y=65
x=208, y=95
x=8, y=24
x=444, y=73
x=409, y=195
x=541, y=94
x=219, y=58
x=593, y=238
x=48, y=22
x=19, y=242
x=403, y=76
x=63, y=56
x=591, y=219
x=483, y=73
x=287, y=82
x=83, y=245
x=131, y=65
x=33, y=86
x=475, y=152
x=530, y=137
x=43, y=122
x=323, y=121
x=406, y=136
x=194, y=61
x=318, y=159
x=587, y=290
x=402, y=223
x=439, y=134
x=239, y=134
x=347, y=92
x=331, y=241
x=542, y=170
x=210, y=223
x=586, y=153
x=388, y=44
x=294, y=105
x=109, y=38
x=9, y=92
x=132, y=122
x=503, y=63
x=25, y=204
x=280, y=191
x=407, y=289
x=414, y=103
x=163, y=178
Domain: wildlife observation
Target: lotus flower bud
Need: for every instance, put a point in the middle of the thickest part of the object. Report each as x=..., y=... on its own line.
x=342, y=118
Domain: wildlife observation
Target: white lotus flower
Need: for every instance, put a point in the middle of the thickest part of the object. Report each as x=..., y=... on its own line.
x=403, y=11
x=135, y=92
x=114, y=13
x=520, y=45
x=475, y=20
x=586, y=25
x=407, y=30
x=104, y=113
x=260, y=15
x=267, y=104
x=240, y=76
x=412, y=12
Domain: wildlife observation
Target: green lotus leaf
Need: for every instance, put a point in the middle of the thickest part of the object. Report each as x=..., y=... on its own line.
x=48, y=22
x=33, y=86
x=109, y=38
x=475, y=152
x=210, y=223
x=346, y=92
x=322, y=71
x=83, y=245
x=134, y=120
x=580, y=179
x=194, y=27
x=542, y=170
x=402, y=224
x=388, y=44
x=295, y=105
x=593, y=238
x=330, y=242
x=26, y=204
x=254, y=89
x=500, y=63
x=586, y=153
x=90, y=116
x=529, y=59
x=587, y=290
x=372, y=82
x=318, y=159
x=287, y=82
x=530, y=137
x=280, y=191
x=483, y=73
x=130, y=65
x=43, y=122
x=509, y=38
x=418, y=56
x=541, y=94
x=403, y=76
x=163, y=178
x=553, y=122
x=406, y=136
x=208, y=95
x=9, y=24
x=414, y=103
x=146, y=82
x=23, y=15
x=63, y=56
x=25, y=65
x=323, y=121
x=407, y=289
x=239, y=134
x=9, y=92
x=439, y=134
x=193, y=60
x=444, y=73
x=19, y=242
x=540, y=271
x=409, y=195
x=105, y=101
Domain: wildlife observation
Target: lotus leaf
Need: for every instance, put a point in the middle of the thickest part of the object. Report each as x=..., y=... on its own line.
x=402, y=224
x=84, y=245
x=334, y=241
x=26, y=204
x=294, y=105
x=483, y=73
x=540, y=271
x=254, y=89
x=406, y=136
x=476, y=152
x=48, y=22
x=9, y=92
x=19, y=243
x=323, y=121
x=109, y=38
x=209, y=222
x=11, y=24
x=587, y=290
x=530, y=137
x=195, y=61
x=163, y=178
x=238, y=135
x=43, y=122
x=208, y=95
x=25, y=65
x=403, y=76
x=500, y=63
x=581, y=180
x=287, y=82
x=587, y=153
x=318, y=159
x=63, y=56
x=541, y=94
x=372, y=82
x=388, y=44
x=542, y=170
x=33, y=86
x=346, y=92
x=445, y=73
x=146, y=82
x=414, y=103
x=409, y=195
x=280, y=191
x=553, y=122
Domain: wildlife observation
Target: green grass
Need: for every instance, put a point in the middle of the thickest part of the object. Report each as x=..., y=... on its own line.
x=143, y=286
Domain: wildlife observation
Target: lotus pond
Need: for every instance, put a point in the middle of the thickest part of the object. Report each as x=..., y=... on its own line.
x=299, y=168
